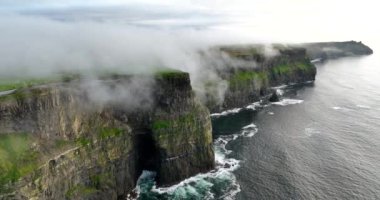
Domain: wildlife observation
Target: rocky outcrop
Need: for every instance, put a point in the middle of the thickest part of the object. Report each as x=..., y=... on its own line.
x=332, y=50
x=181, y=129
x=78, y=147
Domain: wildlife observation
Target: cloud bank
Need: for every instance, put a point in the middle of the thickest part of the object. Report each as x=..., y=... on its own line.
x=41, y=37
x=39, y=44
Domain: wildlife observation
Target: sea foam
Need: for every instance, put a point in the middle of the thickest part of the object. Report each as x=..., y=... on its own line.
x=202, y=186
x=285, y=102
x=227, y=112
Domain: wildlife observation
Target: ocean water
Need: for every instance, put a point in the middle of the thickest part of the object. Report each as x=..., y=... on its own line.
x=322, y=141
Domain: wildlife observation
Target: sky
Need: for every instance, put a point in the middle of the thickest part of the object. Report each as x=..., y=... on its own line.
x=293, y=20
x=59, y=34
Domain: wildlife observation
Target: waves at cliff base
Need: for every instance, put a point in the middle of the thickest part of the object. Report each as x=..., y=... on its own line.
x=219, y=183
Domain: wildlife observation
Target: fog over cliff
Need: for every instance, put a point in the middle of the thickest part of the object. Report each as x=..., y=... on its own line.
x=41, y=37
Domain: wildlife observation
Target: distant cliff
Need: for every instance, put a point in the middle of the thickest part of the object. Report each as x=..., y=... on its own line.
x=256, y=73
x=58, y=143
x=332, y=50
x=252, y=70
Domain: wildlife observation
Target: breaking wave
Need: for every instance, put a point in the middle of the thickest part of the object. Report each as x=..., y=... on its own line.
x=285, y=102
x=252, y=106
x=227, y=112
x=219, y=183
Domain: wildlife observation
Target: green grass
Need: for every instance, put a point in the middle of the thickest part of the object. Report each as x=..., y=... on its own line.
x=11, y=83
x=304, y=65
x=282, y=69
x=18, y=84
x=21, y=95
x=288, y=68
x=16, y=158
x=161, y=124
x=83, y=141
x=247, y=77
x=105, y=133
x=176, y=122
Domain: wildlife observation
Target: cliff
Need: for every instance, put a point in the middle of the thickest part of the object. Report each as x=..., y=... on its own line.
x=257, y=72
x=251, y=70
x=332, y=50
x=91, y=139
x=59, y=142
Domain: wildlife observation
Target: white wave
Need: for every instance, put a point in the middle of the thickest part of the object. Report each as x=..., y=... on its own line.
x=342, y=108
x=249, y=126
x=146, y=175
x=173, y=188
x=280, y=87
x=223, y=171
x=222, y=141
x=270, y=113
x=227, y=112
x=280, y=92
x=285, y=102
x=317, y=60
x=249, y=130
x=224, y=167
x=255, y=105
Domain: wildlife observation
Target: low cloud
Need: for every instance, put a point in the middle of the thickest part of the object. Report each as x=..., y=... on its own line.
x=34, y=45
x=130, y=94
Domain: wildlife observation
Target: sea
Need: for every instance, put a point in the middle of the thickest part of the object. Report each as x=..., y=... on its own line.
x=321, y=141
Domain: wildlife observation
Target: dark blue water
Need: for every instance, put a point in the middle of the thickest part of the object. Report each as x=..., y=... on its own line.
x=321, y=142
x=327, y=147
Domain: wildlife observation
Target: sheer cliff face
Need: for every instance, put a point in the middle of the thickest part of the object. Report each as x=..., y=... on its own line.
x=253, y=80
x=191, y=151
x=75, y=148
x=251, y=70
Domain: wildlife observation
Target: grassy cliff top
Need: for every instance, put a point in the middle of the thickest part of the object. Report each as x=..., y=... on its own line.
x=259, y=53
x=14, y=83
x=257, y=50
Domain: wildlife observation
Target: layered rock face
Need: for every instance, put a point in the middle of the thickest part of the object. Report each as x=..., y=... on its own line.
x=61, y=143
x=252, y=79
x=251, y=70
x=182, y=131
x=77, y=152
